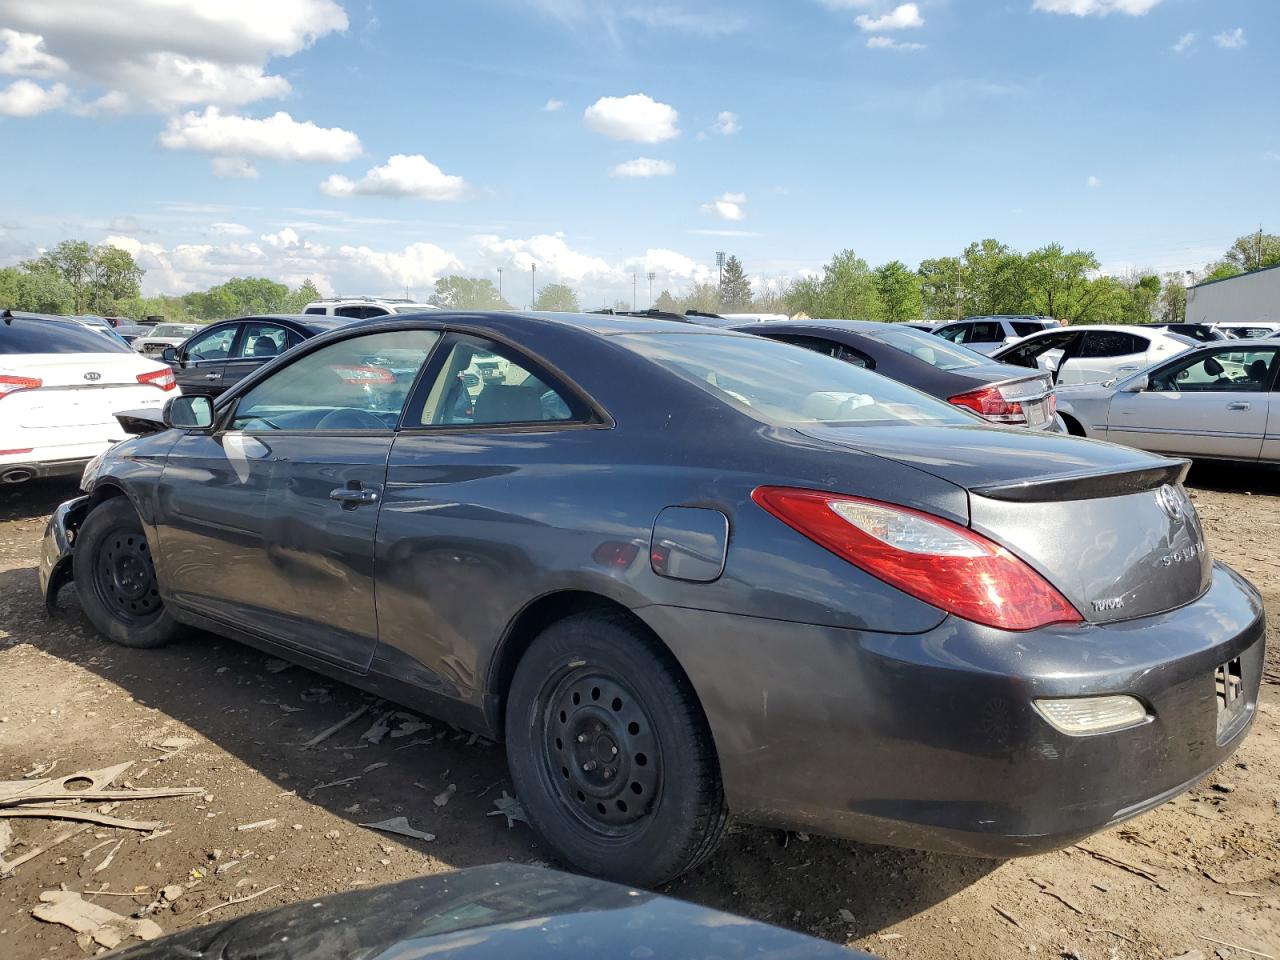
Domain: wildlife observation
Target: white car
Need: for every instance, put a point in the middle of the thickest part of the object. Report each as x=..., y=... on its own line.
x=60, y=386
x=1092, y=354
x=1256, y=330
x=164, y=335
x=988, y=334
x=362, y=308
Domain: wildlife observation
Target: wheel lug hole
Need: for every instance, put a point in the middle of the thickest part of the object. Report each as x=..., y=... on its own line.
x=582, y=738
x=589, y=766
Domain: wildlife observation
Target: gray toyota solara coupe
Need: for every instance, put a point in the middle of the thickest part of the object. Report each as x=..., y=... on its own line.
x=686, y=573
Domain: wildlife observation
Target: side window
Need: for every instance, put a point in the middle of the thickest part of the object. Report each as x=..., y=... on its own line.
x=314, y=311
x=985, y=333
x=356, y=384
x=954, y=333
x=1024, y=329
x=376, y=312
x=1025, y=354
x=829, y=348
x=483, y=383
x=262, y=341
x=214, y=345
x=356, y=313
x=1242, y=371
x=1109, y=343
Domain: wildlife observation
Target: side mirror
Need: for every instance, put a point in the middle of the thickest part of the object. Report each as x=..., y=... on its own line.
x=169, y=355
x=193, y=412
x=1049, y=363
x=1136, y=385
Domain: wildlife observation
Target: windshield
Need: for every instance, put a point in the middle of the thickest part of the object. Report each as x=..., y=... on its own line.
x=173, y=330
x=788, y=385
x=52, y=336
x=925, y=346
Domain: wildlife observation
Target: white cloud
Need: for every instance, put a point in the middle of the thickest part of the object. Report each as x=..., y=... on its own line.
x=669, y=264
x=286, y=237
x=1093, y=182
x=727, y=206
x=417, y=265
x=278, y=137
x=888, y=43
x=233, y=168
x=1231, y=39
x=726, y=123
x=1185, y=42
x=229, y=229
x=635, y=117
x=644, y=167
x=556, y=260
x=403, y=175
x=551, y=106
x=24, y=98
x=168, y=53
x=903, y=17
x=24, y=54
x=1096, y=8
x=726, y=233
x=113, y=101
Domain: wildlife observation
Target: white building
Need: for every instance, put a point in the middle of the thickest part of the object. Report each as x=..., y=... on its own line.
x=1243, y=299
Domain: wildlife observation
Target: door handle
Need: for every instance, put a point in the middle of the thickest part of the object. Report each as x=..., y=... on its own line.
x=353, y=496
x=1238, y=405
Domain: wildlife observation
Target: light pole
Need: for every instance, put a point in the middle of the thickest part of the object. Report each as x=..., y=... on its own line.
x=720, y=266
x=633, y=289
x=650, y=275
x=533, y=285
x=499, y=283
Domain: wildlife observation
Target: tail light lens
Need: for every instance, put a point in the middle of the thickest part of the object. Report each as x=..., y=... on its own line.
x=937, y=561
x=164, y=379
x=10, y=384
x=1002, y=403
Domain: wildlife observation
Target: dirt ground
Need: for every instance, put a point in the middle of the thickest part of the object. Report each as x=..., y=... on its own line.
x=1199, y=873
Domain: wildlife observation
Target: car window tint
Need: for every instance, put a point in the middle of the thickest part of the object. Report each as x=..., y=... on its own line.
x=1236, y=371
x=214, y=345
x=1024, y=329
x=987, y=332
x=31, y=335
x=358, y=384
x=482, y=383
x=953, y=333
x=314, y=311
x=1111, y=343
x=827, y=348
x=779, y=385
x=925, y=346
x=356, y=313
x=262, y=341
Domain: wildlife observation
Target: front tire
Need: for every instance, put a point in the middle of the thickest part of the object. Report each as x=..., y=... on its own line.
x=116, y=578
x=610, y=752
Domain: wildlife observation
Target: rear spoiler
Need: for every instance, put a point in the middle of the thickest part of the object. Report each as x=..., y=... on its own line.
x=1088, y=486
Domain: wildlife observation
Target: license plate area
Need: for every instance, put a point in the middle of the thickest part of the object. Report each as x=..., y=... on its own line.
x=1228, y=690
x=1036, y=412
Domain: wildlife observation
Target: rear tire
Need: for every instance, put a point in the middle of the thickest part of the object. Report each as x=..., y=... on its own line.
x=116, y=578
x=610, y=753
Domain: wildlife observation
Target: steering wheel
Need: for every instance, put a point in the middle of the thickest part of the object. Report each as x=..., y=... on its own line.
x=350, y=418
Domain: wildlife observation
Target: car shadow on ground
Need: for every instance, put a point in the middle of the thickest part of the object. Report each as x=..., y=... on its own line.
x=230, y=695
x=1235, y=477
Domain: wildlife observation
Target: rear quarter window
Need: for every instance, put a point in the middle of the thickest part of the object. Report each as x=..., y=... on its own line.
x=1024, y=329
x=52, y=336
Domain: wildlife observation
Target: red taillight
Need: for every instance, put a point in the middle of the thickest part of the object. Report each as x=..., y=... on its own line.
x=989, y=403
x=934, y=560
x=363, y=374
x=164, y=379
x=10, y=384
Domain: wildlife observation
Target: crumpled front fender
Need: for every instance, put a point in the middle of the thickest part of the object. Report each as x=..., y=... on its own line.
x=59, y=543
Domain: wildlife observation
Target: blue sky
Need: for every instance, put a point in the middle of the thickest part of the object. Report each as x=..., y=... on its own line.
x=377, y=146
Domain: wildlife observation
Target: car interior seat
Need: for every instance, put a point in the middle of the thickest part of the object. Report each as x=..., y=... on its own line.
x=265, y=347
x=507, y=403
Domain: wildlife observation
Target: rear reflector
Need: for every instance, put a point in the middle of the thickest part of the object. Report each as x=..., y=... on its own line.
x=1085, y=716
x=10, y=384
x=164, y=379
x=937, y=561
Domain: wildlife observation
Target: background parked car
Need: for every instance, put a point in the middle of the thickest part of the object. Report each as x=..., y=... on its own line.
x=1217, y=401
x=1258, y=330
x=61, y=381
x=995, y=391
x=224, y=353
x=1092, y=354
x=153, y=342
x=363, y=308
x=130, y=332
x=1203, y=332
x=989, y=334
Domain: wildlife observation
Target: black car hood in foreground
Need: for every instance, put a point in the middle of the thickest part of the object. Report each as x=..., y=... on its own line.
x=499, y=912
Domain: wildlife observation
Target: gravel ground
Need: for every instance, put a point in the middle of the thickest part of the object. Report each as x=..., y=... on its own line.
x=210, y=713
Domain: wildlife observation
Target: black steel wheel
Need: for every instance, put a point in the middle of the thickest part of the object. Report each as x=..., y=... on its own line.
x=116, y=580
x=610, y=752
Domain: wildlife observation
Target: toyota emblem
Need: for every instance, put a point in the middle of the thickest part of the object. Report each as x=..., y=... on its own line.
x=1172, y=501
x=92, y=376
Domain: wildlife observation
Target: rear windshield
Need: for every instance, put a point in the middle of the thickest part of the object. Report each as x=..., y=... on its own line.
x=172, y=330
x=53, y=336
x=788, y=385
x=925, y=346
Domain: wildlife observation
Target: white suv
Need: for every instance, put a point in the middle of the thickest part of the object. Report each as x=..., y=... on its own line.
x=989, y=334
x=361, y=308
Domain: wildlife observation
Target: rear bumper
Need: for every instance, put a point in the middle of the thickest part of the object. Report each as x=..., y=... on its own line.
x=19, y=468
x=931, y=740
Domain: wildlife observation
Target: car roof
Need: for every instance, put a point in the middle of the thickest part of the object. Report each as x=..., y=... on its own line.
x=597, y=324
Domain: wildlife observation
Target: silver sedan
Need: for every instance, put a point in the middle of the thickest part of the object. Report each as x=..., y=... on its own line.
x=1219, y=401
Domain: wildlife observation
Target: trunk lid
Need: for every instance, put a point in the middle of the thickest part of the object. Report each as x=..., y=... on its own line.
x=77, y=390
x=1110, y=527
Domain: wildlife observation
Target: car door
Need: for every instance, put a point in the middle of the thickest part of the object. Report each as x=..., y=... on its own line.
x=474, y=508
x=1105, y=355
x=268, y=521
x=1212, y=404
x=202, y=358
x=260, y=341
x=1046, y=351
